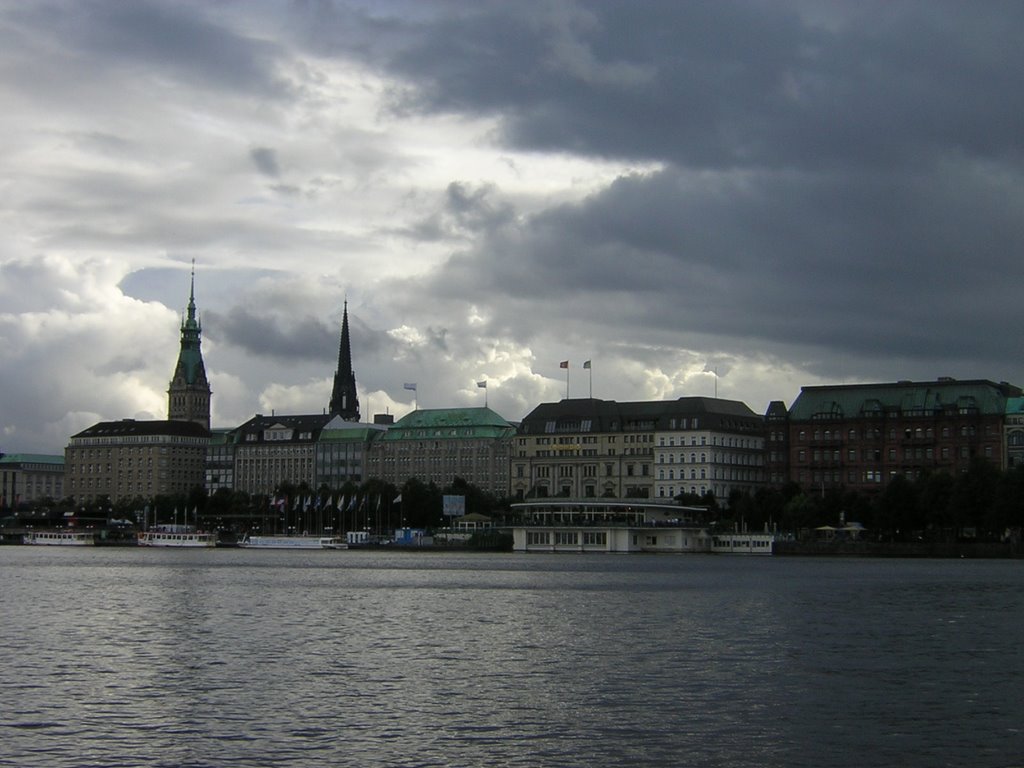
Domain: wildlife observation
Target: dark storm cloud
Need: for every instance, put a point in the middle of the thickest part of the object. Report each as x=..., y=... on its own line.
x=836, y=177
x=272, y=334
x=878, y=264
x=178, y=40
x=723, y=84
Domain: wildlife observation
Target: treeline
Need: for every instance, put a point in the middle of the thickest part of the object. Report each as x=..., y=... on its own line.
x=374, y=505
x=982, y=503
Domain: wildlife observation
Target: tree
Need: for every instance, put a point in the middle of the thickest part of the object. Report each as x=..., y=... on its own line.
x=899, y=509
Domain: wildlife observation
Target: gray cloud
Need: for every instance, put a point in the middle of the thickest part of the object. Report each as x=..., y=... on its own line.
x=772, y=191
x=265, y=160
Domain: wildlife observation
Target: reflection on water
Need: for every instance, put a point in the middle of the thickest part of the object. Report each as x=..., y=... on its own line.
x=213, y=658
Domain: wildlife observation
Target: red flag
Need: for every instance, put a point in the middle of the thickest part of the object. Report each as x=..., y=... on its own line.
x=564, y=364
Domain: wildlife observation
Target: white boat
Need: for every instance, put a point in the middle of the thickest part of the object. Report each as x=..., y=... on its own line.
x=292, y=542
x=176, y=538
x=61, y=538
x=742, y=543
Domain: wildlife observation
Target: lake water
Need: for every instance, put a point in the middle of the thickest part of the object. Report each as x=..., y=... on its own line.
x=141, y=657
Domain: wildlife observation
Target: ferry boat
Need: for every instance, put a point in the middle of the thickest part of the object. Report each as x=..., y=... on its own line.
x=292, y=542
x=176, y=538
x=61, y=538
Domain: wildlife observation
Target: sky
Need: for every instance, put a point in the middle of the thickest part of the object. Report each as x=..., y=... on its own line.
x=717, y=198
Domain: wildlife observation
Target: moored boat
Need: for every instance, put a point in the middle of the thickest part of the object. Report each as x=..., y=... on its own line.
x=157, y=537
x=292, y=542
x=61, y=538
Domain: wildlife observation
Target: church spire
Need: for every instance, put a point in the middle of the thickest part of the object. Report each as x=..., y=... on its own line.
x=188, y=396
x=344, y=401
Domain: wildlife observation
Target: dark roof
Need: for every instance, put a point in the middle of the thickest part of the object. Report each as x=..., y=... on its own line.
x=299, y=424
x=612, y=416
x=131, y=427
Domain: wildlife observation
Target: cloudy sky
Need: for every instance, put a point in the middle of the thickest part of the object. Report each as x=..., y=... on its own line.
x=699, y=197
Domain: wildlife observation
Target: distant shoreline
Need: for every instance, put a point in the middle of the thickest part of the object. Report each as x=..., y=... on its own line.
x=956, y=549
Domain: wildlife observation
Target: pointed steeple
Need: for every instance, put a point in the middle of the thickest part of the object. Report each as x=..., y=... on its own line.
x=188, y=396
x=344, y=400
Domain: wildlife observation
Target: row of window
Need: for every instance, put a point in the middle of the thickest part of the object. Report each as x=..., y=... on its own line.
x=892, y=454
x=873, y=433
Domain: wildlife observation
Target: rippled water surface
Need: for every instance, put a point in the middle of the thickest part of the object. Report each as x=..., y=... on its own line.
x=124, y=657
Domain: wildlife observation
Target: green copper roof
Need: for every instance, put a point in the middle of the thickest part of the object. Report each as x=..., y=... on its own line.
x=356, y=434
x=458, y=423
x=905, y=397
x=1015, y=405
x=31, y=458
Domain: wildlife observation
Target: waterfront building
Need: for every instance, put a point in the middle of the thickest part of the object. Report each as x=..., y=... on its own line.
x=776, y=420
x=438, y=445
x=860, y=436
x=708, y=446
x=342, y=451
x=220, y=460
x=28, y=477
x=1013, y=432
x=589, y=448
x=128, y=458
x=271, y=450
x=608, y=525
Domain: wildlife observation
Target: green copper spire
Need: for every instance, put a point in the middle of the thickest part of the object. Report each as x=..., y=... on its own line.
x=188, y=397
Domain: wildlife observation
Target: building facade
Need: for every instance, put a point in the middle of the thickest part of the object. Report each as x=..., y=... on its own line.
x=438, y=445
x=588, y=448
x=220, y=461
x=125, y=459
x=342, y=452
x=776, y=420
x=860, y=436
x=30, y=477
x=271, y=450
x=709, y=446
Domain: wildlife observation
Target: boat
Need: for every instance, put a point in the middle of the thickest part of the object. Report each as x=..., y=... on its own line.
x=293, y=542
x=175, y=537
x=61, y=538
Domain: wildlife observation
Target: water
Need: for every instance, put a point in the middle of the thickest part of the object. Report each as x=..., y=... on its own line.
x=124, y=657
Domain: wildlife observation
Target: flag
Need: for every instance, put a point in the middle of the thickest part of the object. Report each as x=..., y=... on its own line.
x=564, y=364
x=398, y=499
x=482, y=384
x=586, y=364
x=341, y=503
x=409, y=386
x=352, y=504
